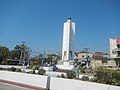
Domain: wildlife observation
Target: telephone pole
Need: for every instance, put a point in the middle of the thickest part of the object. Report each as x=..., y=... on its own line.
x=28, y=53
x=44, y=44
x=23, y=52
x=87, y=57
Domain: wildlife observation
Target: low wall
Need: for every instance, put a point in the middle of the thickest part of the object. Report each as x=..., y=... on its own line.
x=80, y=76
x=9, y=66
x=55, y=74
x=28, y=79
x=53, y=83
x=71, y=84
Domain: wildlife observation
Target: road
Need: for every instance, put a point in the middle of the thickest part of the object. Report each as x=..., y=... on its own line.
x=5, y=86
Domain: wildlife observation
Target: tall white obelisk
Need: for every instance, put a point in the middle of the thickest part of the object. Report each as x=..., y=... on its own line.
x=68, y=40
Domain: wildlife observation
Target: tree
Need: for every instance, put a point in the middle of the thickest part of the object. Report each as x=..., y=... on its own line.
x=4, y=53
x=21, y=52
x=52, y=58
x=48, y=59
x=17, y=47
x=14, y=54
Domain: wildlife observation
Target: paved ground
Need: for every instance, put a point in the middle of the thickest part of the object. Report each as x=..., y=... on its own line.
x=5, y=86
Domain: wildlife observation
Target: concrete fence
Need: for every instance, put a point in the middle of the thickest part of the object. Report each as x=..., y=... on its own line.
x=53, y=83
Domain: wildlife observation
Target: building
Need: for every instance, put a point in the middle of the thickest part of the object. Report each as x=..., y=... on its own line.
x=84, y=58
x=96, y=59
x=101, y=56
x=68, y=40
x=81, y=56
x=115, y=50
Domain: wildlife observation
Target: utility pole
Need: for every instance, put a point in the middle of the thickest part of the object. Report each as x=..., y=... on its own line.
x=29, y=50
x=44, y=43
x=87, y=57
x=23, y=52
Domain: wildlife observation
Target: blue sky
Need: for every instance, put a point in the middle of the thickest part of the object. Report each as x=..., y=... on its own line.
x=27, y=20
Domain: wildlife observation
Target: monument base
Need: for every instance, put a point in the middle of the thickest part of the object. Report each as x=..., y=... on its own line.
x=66, y=62
x=62, y=64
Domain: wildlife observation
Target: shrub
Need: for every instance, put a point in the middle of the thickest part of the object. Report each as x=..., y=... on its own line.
x=71, y=74
x=93, y=80
x=41, y=72
x=82, y=69
x=1, y=68
x=9, y=69
x=30, y=67
x=105, y=76
x=62, y=76
x=116, y=78
x=18, y=70
x=32, y=72
x=35, y=67
x=13, y=69
x=85, y=78
x=89, y=70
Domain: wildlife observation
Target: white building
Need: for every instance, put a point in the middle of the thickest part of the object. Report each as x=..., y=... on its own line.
x=115, y=48
x=68, y=40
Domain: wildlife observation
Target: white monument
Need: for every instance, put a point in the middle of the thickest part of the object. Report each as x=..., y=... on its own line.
x=68, y=40
x=68, y=46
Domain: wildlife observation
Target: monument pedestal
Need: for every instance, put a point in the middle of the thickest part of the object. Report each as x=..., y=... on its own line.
x=66, y=64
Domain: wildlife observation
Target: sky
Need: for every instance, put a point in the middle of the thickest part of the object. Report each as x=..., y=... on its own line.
x=36, y=21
